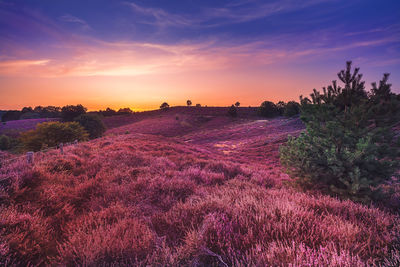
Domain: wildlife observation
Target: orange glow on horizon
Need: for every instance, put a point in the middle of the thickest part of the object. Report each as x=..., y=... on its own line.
x=141, y=76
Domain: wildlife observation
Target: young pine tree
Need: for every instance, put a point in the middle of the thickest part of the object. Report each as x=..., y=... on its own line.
x=349, y=146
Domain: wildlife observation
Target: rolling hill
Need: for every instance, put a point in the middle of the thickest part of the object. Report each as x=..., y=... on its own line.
x=180, y=188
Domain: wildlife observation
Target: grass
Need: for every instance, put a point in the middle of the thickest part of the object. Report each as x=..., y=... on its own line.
x=211, y=193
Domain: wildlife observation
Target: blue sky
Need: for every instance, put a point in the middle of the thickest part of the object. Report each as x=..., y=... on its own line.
x=239, y=41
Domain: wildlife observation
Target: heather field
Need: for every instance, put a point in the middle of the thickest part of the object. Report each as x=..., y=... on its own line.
x=180, y=189
x=13, y=128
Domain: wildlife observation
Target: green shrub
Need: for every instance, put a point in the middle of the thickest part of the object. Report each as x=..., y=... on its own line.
x=92, y=124
x=5, y=142
x=50, y=134
x=268, y=109
x=291, y=109
x=349, y=147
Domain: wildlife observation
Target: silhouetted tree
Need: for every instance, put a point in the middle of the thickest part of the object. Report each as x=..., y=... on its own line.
x=164, y=106
x=26, y=109
x=189, y=102
x=11, y=115
x=232, y=111
x=50, y=112
x=198, y=105
x=125, y=111
x=292, y=108
x=237, y=104
x=108, y=112
x=70, y=112
x=281, y=107
x=268, y=109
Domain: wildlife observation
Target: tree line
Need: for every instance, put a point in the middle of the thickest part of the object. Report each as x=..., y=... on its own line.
x=54, y=112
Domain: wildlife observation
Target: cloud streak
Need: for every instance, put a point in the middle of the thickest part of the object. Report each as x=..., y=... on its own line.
x=100, y=58
x=72, y=19
x=231, y=13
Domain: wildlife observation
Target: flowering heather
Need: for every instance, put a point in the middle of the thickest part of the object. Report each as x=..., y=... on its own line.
x=13, y=128
x=211, y=196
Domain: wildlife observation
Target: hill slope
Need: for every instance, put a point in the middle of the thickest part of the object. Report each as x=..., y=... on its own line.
x=162, y=192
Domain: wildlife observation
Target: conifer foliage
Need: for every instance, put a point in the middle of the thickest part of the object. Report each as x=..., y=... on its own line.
x=349, y=147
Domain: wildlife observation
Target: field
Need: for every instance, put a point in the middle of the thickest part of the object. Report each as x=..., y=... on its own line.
x=13, y=128
x=183, y=188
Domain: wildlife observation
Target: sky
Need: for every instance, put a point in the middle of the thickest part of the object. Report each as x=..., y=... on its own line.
x=139, y=54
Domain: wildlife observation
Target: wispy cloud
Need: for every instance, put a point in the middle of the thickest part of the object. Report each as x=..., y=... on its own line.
x=231, y=13
x=72, y=19
x=21, y=66
x=100, y=58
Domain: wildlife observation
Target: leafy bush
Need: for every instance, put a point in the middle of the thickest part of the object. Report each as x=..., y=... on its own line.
x=232, y=111
x=291, y=109
x=5, y=142
x=349, y=147
x=268, y=109
x=70, y=112
x=50, y=134
x=92, y=124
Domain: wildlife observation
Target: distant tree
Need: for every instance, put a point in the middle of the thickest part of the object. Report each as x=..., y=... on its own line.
x=189, y=103
x=349, y=147
x=92, y=124
x=237, y=104
x=29, y=115
x=268, y=109
x=26, y=109
x=11, y=115
x=50, y=112
x=291, y=109
x=232, y=111
x=38, y=109
x=108, y=112
x=281, y=107
x=198, y=105
x=164, y=106
x=70, y=112
x=50, y=134
x=125, y=111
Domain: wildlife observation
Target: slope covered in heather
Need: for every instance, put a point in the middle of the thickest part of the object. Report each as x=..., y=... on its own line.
x=166, y=192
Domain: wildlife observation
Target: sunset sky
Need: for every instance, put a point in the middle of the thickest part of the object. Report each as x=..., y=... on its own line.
x=138, y=54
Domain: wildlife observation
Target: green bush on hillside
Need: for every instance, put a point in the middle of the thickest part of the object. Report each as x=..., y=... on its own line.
x=349, y=147
x=92, y=124
x=51, y=134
